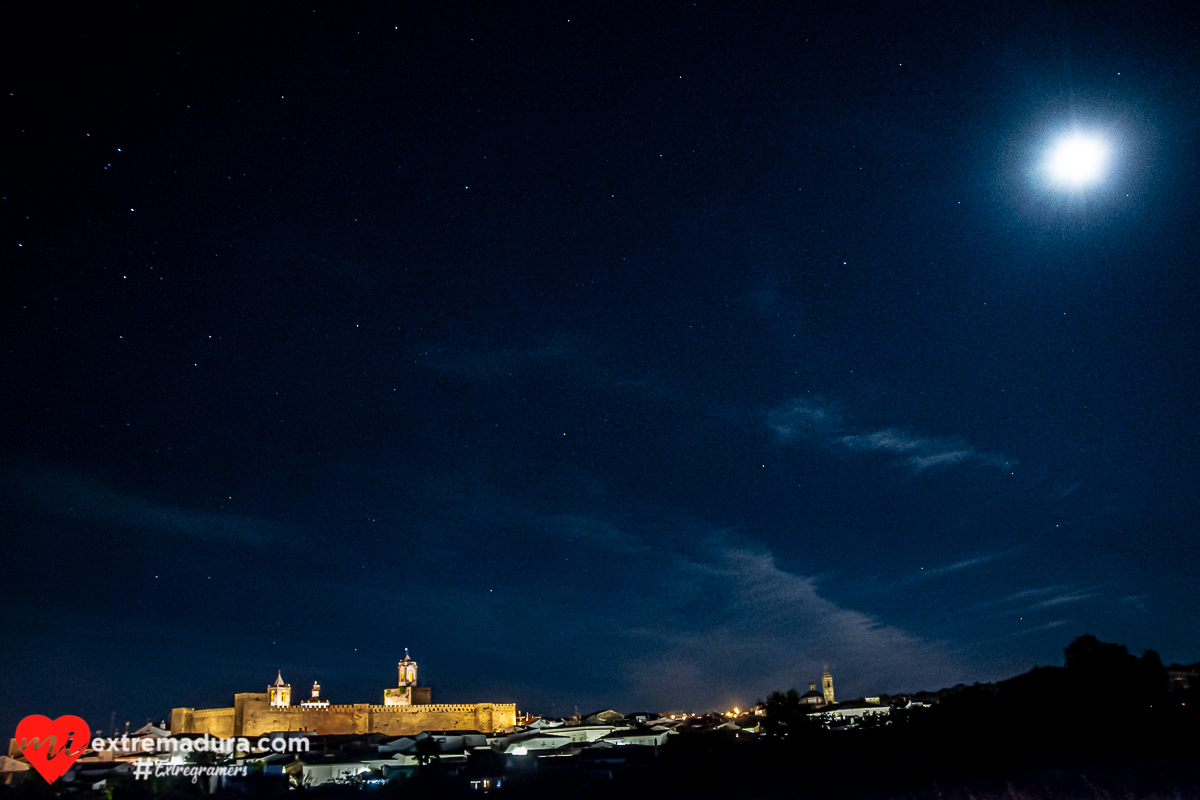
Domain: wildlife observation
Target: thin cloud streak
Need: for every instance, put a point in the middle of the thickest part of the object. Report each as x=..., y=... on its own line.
x=961, y=565
x=804, y=419
x=935, y=572
x=1018, y=596
x=1071, y=596
x=1048, y=626
x=926, y=452
x=1064, y=600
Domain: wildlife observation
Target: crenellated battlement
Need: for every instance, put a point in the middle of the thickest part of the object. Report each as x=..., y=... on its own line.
x=374, y=709
x=423, y=708
x=299, y=709
x=255, y=717
x=260, y=713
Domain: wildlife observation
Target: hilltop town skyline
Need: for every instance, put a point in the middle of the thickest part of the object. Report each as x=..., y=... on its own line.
x=316, y=701
x=983, y=740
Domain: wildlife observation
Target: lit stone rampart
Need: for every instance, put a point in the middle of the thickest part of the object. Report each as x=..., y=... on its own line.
x=217, y=722
x=254, y=716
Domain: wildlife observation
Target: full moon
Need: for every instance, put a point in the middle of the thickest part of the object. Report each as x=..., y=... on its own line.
x=1077, y=161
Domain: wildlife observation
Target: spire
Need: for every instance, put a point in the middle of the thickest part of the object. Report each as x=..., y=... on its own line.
x=279, y=693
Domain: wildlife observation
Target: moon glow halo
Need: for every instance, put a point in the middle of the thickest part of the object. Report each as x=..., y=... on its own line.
x=1077, y=161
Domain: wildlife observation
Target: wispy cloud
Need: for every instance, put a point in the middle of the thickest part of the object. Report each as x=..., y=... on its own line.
x=1021, y=595
x=966, y=563
x=661, y=612
x=804, y=418
x=930, y=573
x=1046, y=626
x=771, y=629
x=80, y=497
x=713, y=598
x=812, y=420
x=890, y=440
x=1027, y=602
x=1061, y=600
x=922, y=452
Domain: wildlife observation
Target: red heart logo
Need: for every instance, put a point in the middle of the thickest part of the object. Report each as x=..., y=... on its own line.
x=52, y=746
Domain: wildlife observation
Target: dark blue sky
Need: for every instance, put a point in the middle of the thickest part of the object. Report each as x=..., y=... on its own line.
x=603, y=358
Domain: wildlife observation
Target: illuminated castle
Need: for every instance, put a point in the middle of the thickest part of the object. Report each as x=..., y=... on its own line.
x=406, y=711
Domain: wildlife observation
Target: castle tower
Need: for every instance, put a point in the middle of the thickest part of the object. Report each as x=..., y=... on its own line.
x=315, y=701
x=407, y=678
x=279, y=693
x=827, y=686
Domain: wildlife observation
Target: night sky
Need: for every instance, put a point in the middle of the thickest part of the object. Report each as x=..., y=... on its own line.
x=635, y=356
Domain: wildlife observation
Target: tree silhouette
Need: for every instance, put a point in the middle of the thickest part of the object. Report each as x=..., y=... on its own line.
x=1087, y=654
x=427, y=751
x=785, y=713
x=1153, y=676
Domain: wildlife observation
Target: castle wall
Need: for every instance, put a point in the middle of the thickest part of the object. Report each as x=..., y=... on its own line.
x=253, y=716
x=259, y=718
x=181, y=719
x=213, y=721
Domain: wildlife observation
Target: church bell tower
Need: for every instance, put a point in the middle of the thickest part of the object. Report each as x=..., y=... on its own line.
x=408, y=671
x=402, y=695
x=827, y=686
x=279, y=694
